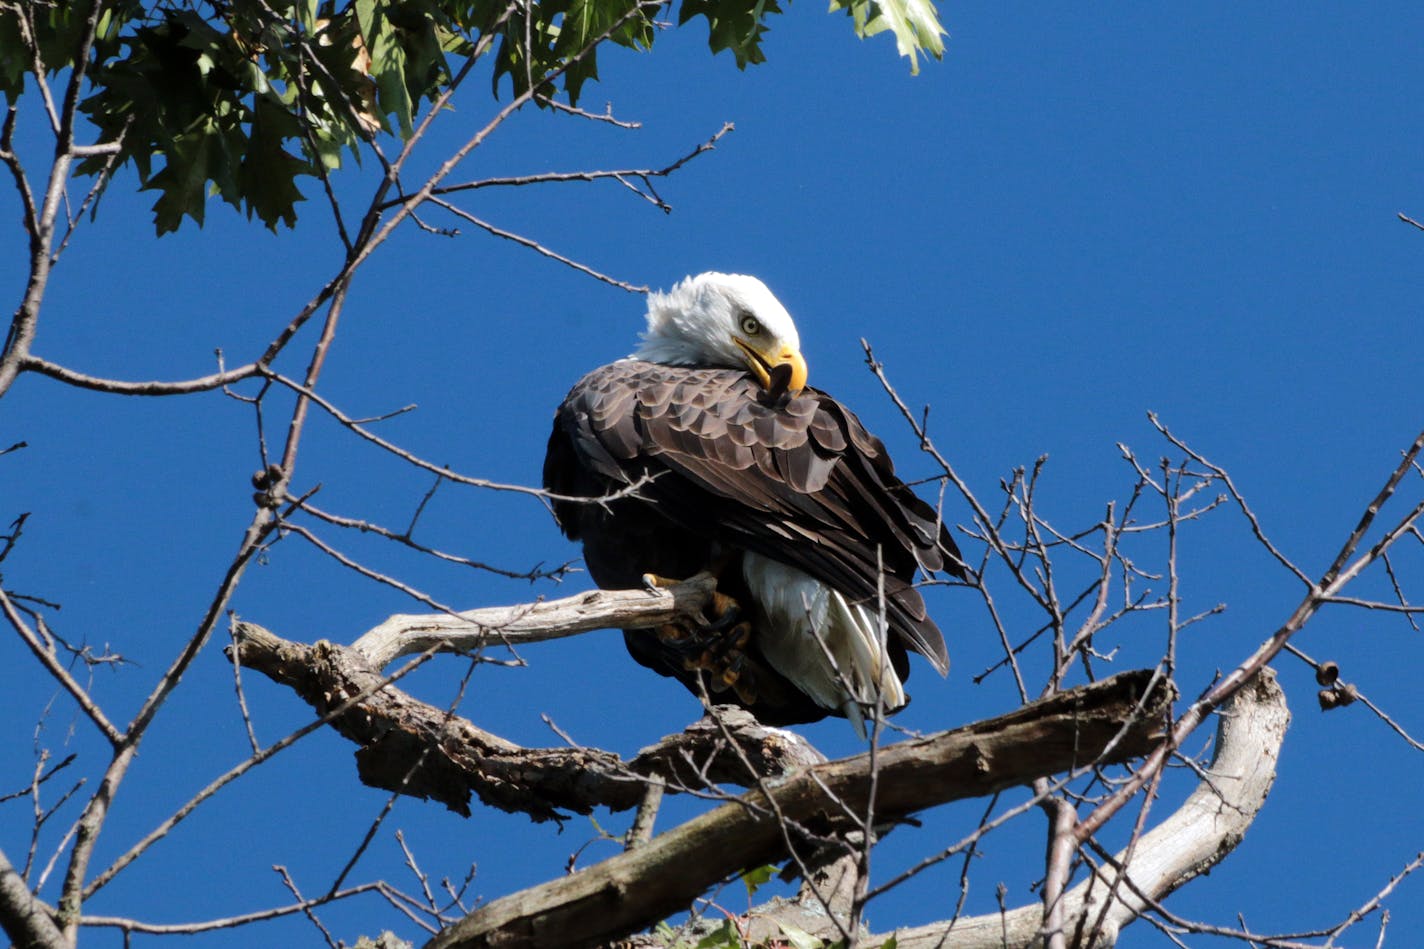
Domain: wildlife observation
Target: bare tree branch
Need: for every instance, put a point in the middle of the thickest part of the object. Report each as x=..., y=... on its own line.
x=152, y=387
x=470, y=631
x=636, y=888
x=47, y=659
x=417, y=749
x=23, y=917
x=231, y=922
x=1208, y=826
x=1336, y=577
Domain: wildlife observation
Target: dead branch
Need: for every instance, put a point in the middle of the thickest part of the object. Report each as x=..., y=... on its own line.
x=1108, y=721
x=1208, y=826
x=130, y=926
x=471, y=631
x=25, y=920
x=420, y=750
x=617, y=174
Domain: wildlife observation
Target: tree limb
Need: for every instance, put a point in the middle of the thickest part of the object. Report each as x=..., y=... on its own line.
x=25, y=920
x=1198, y=835
x=1108, y=722
x=420, y=750
x=470, y=631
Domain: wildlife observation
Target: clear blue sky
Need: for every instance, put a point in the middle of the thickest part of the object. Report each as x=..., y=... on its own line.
x=1075, y=218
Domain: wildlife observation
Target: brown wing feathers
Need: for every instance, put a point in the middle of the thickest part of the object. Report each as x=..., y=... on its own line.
x=802, y=482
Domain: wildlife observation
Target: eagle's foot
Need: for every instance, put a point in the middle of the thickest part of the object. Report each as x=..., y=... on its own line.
x=722, y=613
x=721, y=648
x=675, y=635
x=653, y=583
x=723, y=655
x=714, y=641
x=740, y=675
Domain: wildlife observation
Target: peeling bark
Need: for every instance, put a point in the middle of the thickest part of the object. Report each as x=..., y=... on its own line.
x=1107, y=722
x=473, y=630
x=414, y=748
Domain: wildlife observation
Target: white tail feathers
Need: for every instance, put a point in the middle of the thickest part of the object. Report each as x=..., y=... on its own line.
x=831, y=649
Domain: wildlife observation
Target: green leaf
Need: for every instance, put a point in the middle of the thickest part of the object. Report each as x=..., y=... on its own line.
x=733, y=24
x=307, y=10
x=756, y=878
x=223, y=99
x=14, y=62
x=724, y=936
x=183, y=181
x=367, y=12
x=268, y=174
x=915, y=24
x=387, y=61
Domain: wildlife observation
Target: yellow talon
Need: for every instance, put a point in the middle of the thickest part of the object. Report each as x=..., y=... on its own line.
x=673, y=634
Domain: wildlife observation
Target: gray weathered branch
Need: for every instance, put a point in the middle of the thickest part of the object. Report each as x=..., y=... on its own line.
x=418, y=749
x=473, y=630
x=1208, y=825
x=414, y=748
x=1198, y=835
x=1108, y=721
x=24, y=919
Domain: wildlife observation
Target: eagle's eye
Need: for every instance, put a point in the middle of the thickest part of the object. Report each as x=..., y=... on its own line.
x=750, y=325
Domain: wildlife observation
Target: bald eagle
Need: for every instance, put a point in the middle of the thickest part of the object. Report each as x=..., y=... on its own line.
x=775, y=488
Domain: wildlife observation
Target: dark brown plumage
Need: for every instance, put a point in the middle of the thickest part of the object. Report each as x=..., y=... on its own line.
x=734, y=469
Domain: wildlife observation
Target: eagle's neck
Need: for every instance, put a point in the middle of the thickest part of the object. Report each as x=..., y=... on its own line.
x=690, y=349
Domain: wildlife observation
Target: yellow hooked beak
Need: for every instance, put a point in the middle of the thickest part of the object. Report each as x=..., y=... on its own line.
x=767, y=366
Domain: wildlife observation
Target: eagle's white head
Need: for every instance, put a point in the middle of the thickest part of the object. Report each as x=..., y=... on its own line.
x=730, y=321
